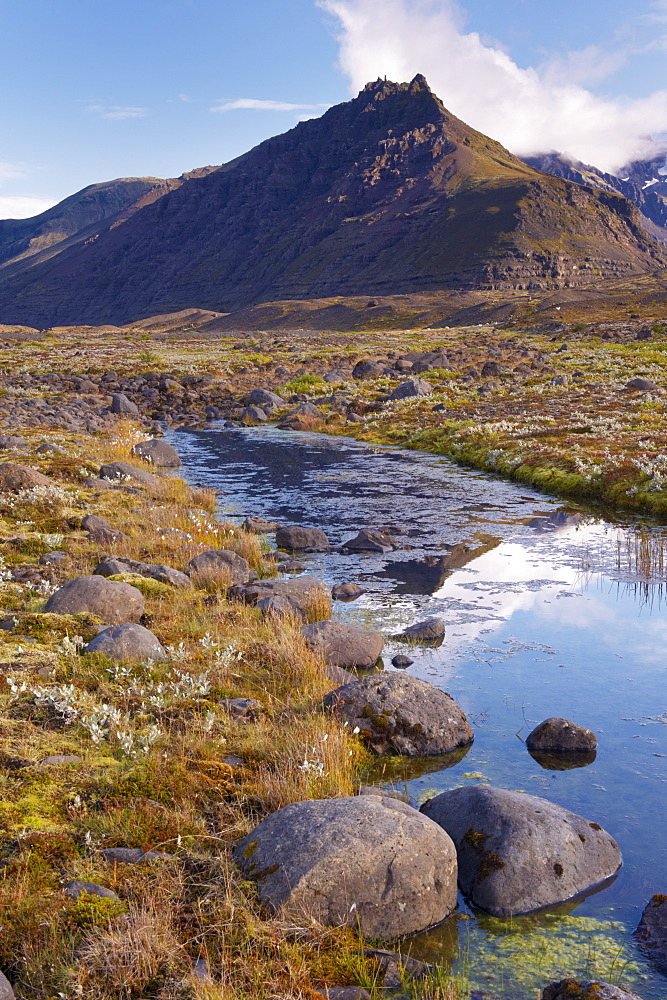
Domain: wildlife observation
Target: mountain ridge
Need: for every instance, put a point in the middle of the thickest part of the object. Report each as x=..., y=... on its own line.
x=386, y=192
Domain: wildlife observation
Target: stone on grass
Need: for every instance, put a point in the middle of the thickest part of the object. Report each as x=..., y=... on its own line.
x=56, y=759
x=128, y=643
x=220, y=565
x=517, y=852
x=242, y=709
x=14, y=478
x=124, y=472
x=295, y=536
x=409, y=390
x=400, y=714
x=429, y=630
x=100, y=531
x=160, y=453
x=54, y=558
x=8, y=442
x=651, y=934
x=643, y=384
x=264, y=397
x=131, y=855
x=557, y=734
x=115, y=603
x=345, y=993
x=586, y=989
x=279, y=606
x=76, y=888
x=6, y=991
x=344, y=645
x=367, y=862
x=308, y=593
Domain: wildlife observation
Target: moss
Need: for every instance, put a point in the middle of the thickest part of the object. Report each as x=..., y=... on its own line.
x=147, y=586
x=490, y=862
x=250, y=849
x=595, y=826
x=558, y=870
x=475, y=838
x=90, y=910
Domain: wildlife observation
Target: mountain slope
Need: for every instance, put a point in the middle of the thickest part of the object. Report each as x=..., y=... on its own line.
x=644, y=182
x=386, y=193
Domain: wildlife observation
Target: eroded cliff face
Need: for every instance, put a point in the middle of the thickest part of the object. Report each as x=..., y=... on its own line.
x=386, y=193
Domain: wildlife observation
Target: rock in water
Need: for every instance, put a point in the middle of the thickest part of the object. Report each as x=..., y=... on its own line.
x=295, y=536
x=344, y=645
x=518, y=852
x=115, y=603
x=400, y=714
x=368, y=540
x=652, y=931
x=429, y=630
x=557, y=734
x=365, y=861
x=127, y=644
x=578, y=989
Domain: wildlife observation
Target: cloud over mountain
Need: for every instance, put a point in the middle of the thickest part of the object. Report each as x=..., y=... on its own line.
x=530, y=110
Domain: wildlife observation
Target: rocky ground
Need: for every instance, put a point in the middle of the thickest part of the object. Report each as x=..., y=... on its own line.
x=179, y=799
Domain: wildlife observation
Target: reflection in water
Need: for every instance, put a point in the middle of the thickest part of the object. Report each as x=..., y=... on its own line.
x=539, y=623
x=563, y=761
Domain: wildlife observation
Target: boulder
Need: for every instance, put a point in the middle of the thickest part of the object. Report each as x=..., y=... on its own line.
x=122, y=405
x=264, y=397
x=368, y=540
x=401, y=662
x=9, y=442
x=259, y=526
x=368, y=369
x=6, y=991
x=131, y=855
x=242, y=709
x=76, y=888
x=346, y=591
x=278, y=606
x=368, y=862
x=584, y=989
x=167, y=574
x=554, y=735
x=14, y=478
x=115, y=603
x=344, y=645
x=651, y=934
x=114, y=565
x=54, y=558
x=308, y=593
x=409, y=390
x=429, y=630
x=345, y=993
x=220, y=565
x=644, y=384
x=100, y=531
x=400, y=714
x=129, y=643
x=296, y=537
x=251, y=416
x=517, y=852
x=160, y=453
x=124, y=472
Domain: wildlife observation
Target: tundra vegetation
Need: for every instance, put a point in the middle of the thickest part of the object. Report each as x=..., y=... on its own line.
x=98, y=755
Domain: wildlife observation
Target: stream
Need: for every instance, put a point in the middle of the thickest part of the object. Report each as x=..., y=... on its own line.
x=545, y=617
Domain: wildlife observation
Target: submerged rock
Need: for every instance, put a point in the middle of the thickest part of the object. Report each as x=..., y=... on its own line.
x=364, y=861
x=556, y=734
x=400, y=714
x=517, y=852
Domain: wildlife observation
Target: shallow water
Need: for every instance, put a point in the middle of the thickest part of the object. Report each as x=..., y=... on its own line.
x=541, y=622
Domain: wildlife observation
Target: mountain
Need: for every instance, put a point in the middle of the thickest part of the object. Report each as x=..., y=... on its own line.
x=386, y=193
x=644, y=182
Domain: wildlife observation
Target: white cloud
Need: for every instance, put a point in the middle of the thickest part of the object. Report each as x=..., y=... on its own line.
x=116, y=112
x=530, y=110
x=10, y=171
x=23, y=206
x=250, y=104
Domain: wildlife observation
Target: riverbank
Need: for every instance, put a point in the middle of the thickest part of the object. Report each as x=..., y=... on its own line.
x=157, y=760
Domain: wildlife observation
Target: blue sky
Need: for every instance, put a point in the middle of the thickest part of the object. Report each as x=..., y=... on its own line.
x=109, y=88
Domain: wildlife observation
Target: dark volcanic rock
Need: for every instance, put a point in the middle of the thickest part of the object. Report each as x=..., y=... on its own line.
x=557, y=734
x=364, y=861
x=343, y=645
x=518, y=852
x=400, y=714
x=651, y=934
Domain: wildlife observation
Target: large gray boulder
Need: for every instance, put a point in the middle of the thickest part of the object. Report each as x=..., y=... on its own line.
x=100, y=531
x=586, y=989
x=129, y=643
x=115, y=603
x=560, y=735
x=517, y=852
x=220, y=565
x=159, y=453
x=295, y=536
x=369, y=540
x=409, y=390
x=400, y=714
x=122, y=405
x=114, y=565
x=307, y=593
x=428, y=630
x=6, y=991
x=124, y=472
x=651, y=933
x=365, y=861
x=344, y=645
x=14, y=477
x=264, y=397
